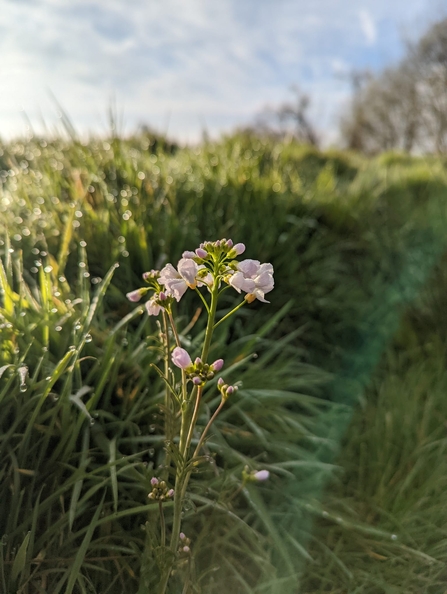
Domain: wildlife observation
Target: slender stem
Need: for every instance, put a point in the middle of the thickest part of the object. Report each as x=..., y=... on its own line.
x=205, y=431
x=210, y=324
x=177, y=340
x=229, y=314
x=168, y=407
x=162, y=524
x=194, y=418
x=203, y=299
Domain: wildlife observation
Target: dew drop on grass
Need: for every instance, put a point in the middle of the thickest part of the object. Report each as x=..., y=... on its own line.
x=151, y=428
x=47, y=379
x=54, y=310
x=22, y=314
x=77, y=326
x=48, y=268
x=62, y=279
x=83, y=243
x=34, y=270
x=58, y=328
x=23, y=388
x=92, y=421
x=81, y=264
x=88, y=338
x=394, y=537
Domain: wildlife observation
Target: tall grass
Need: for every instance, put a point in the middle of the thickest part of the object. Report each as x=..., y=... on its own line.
x=80, y=431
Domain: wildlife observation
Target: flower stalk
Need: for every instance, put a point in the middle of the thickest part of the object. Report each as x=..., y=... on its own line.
x=213, y=267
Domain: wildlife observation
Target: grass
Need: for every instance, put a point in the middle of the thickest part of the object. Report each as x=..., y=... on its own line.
x=353, y=242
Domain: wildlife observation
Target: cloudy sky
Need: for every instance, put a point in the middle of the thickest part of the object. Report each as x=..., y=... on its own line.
x=185, y=65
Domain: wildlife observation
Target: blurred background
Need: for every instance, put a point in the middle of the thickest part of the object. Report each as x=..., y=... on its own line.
x=189, y=68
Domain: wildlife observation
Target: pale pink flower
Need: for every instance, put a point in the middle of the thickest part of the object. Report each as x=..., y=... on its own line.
x=253, y=278
x=181, y=358
x=176, y=282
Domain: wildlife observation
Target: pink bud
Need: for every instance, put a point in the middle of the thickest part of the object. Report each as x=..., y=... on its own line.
x=197, y=361
x=196, y=381
x=181, y=358
x=170, y=493
x=134, y=295
x=154, y=481
x=201, y=253
x=261, y=475
x=220, y=382
x=162, y=296
x=230, y=390
x=186, y=549
x=182, y=536
x=239, y=249
x=229, y=243
x=217, y=365
x=188, y=255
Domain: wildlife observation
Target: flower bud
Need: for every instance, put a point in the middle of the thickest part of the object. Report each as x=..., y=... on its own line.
x=217, y=365
x=136, y=295
x=162, y=296
x=154, y=481
x=229, y=243
x=261, y=475
x=196, y=380
x=201, y=253
x=239, y=248
x=220, y=382
x=230, y=390
x=151, y=496
x=188, y=255
x=181, y=358
x=170, y=493
x=186, y=549
x=197, y=361
x=182, y=536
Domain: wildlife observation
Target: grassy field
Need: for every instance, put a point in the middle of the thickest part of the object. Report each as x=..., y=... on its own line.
x=344, y=403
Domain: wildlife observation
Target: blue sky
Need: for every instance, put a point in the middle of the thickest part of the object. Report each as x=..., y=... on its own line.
x=182, y=65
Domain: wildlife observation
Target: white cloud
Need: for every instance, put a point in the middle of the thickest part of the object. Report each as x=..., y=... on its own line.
x=368, y=26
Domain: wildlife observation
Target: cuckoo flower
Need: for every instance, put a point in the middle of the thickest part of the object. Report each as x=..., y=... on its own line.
x=177, y=281
x=253, y=278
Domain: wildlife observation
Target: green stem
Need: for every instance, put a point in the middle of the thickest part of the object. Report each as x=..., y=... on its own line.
x=203, y=299
x=230, y=313
x=205, y=431
x=194, y=418
x=210, y=324
x=177, y=341
x=168, y=417
x=162, y=524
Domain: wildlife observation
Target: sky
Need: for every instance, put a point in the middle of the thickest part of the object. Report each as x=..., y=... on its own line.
x=185, y=66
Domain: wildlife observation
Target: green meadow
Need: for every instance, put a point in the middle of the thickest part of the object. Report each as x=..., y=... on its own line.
x=343, y=395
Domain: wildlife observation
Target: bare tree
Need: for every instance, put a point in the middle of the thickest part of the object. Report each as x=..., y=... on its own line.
x=289, y=119
x=404, y=107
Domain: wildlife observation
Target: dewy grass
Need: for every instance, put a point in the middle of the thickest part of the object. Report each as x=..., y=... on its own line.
x=82, y=429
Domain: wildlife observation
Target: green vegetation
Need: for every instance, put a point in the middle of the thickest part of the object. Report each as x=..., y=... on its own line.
x=344, y=404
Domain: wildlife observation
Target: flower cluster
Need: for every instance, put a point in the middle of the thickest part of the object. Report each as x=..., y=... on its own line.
x=198, y=372
x=225, y=389
x=184, y=545
x=208, y=266
x=160, y=491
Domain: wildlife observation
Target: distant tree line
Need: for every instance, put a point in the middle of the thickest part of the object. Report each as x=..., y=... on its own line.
x=404, y=107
